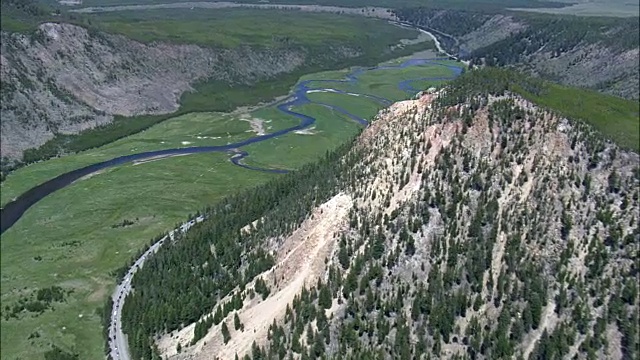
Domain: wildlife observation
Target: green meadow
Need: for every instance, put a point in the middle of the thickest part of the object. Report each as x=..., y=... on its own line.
x=239, y=26
x=616, y=118
x=195, y=129
x=73, y=239
x=357, y=105
x=384, y=83
x=293, y=150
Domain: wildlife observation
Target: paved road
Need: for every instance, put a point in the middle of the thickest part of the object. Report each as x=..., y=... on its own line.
x=117, y=339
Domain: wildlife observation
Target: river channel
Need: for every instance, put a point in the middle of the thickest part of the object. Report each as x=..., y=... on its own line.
x=15, y=209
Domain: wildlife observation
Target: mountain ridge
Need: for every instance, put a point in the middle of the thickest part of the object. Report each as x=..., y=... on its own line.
x=488, y=228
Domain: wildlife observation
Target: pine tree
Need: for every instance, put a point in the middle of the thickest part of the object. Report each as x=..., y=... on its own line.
x=343, y=257
x=236, y=322
x=217, y=317
x=225, y=333
x=324, y=299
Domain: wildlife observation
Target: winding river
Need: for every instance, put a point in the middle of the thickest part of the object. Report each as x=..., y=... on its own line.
x=15, y=209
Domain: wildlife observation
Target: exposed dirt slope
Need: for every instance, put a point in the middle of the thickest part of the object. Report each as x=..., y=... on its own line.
x=520, y=187
x=491, y=228
x=487, y=228
x=300, y=263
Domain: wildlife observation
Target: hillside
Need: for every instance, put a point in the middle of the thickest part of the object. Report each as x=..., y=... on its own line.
x=61, y=79
x=64, y=79
x=595, y=53
x=468, y=223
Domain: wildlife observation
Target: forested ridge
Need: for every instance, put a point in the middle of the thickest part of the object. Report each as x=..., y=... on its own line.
x=593, y=52
x=479, y=226
x=561, y=32
x=560, y=35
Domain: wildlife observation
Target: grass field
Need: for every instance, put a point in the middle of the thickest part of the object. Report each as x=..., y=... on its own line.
x=294, y=150
x=616, y=118
x=456, y=4
x=72, y=238
x=359, y=106
x=235, y=26
x=617, y=8
x=71, y=235
x=384, y=83
x=196, y=129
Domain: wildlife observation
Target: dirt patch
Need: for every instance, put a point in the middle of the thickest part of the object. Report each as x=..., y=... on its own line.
x=100, y=294
x=257, y=124
x=249, y=108
x=76, y=284
x=307, y=131
x=301, y=261
x=156, y=158
x=614, y=339
x=250, y=227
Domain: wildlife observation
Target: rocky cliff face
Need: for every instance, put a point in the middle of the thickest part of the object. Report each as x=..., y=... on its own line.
x=600, y=54
x=64, y=79
x=489, y=228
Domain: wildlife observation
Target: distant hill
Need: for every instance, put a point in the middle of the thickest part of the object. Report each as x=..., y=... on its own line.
x=595, y=53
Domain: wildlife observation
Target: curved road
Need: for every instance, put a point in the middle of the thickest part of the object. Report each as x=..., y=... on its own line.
x=117, y=339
